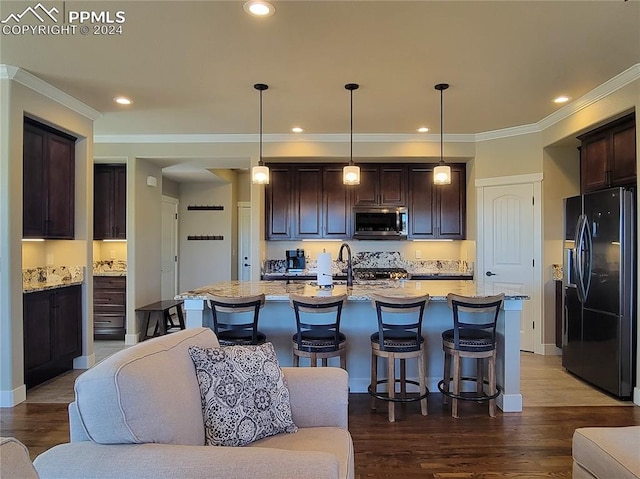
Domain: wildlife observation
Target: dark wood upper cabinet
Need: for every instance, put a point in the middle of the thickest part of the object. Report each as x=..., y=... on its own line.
x=110, y=202
x=336, y=202
x=608, y=155
x=422, y=214
x=48, y=182
x=437, y=211
x=279, y=202
x=381, y=185
x=309, y=201
x=451, y=205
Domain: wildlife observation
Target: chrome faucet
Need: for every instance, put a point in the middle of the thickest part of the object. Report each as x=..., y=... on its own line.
x=349, y=263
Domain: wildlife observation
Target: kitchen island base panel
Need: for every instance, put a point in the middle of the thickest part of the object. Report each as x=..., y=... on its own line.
x=277, y=320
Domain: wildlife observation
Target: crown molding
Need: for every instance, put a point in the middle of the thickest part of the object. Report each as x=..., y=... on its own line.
x=508, y=132
x=25, y=78
x=630, y=75
x=284, y=138
x=622, y=79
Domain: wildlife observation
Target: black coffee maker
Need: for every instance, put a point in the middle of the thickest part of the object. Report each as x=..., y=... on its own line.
x=295, y=259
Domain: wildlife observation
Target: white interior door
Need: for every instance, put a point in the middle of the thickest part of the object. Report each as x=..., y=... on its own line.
x=244, y=241
x=169, y=248
x=508, y=247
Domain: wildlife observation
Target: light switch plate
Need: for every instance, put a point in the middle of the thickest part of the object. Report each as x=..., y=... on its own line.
x=418, y=254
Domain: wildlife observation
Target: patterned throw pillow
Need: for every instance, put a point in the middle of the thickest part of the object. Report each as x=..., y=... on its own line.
x=243, y=392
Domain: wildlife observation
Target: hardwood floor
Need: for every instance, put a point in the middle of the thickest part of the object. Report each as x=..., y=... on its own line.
x=532, y=444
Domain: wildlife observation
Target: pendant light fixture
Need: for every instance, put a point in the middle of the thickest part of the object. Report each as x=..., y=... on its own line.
x=351, y=172
x=260, y=173
x=442, y=172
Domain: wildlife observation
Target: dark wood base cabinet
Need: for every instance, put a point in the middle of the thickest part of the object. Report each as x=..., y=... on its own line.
x=109, y=307
x=52, y=332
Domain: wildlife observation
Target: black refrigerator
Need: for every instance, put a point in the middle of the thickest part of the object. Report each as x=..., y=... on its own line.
x=599, y=279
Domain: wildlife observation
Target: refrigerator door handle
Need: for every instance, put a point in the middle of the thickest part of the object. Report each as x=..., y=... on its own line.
x=588, y=258
x=579, y=257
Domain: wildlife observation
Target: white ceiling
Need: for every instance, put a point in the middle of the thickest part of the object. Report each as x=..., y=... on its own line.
x=190, y=66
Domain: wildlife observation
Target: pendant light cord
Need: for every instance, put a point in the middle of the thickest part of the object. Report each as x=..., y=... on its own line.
x=260, y=160
x=441, y=129
x=351, y=130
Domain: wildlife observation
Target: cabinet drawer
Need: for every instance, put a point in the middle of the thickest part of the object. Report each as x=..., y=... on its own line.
x=109, y=299
x=109, y=282
x=101, y=321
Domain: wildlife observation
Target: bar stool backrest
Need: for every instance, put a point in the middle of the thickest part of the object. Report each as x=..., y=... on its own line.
x=240, y=304
x=483, y=317
x=409, y=328
x=317, y=304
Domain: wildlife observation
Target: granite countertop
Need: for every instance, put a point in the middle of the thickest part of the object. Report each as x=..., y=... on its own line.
x=360, y=291
x=112, y=267
x=311, y=276
x=51, y=277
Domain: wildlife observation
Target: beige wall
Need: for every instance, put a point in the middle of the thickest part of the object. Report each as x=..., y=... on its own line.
x=561, y=179
x=16, y=101
x=205, y=262
x=144, y=224
x=170, y=188
x=244, y=186
x=106, y=250
x=516, y=155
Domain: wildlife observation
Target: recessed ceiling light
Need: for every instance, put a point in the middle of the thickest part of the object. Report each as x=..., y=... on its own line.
x=297, y=129
x=259, y=8
x=423, y=129
x=561, y=99
x=121, y=100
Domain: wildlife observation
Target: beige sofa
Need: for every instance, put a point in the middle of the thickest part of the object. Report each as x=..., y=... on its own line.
x=14, y=460
x=138, y=414
x=606, y=453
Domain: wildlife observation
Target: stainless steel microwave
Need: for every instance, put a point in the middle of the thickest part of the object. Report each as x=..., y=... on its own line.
x=380, y=223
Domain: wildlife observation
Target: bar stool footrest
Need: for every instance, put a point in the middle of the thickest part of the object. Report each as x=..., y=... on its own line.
x=469, y=396
x=385, y=396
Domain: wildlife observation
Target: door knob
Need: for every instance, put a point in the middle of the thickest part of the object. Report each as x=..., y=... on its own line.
x=489, y=273
x=246, y=264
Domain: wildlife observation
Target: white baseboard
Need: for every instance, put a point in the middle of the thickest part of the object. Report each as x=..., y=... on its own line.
x=636, y=396
x=13, y=397
x=510, y=402
x=131, y=339
x=84, y=362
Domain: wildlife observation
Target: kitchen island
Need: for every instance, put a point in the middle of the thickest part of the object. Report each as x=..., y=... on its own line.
x=359, y=321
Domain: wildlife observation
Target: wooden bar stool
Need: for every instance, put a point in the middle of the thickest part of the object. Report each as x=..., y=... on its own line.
x=318, y=333
x=473, y=336
x=231, y=331
x=399, y=338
